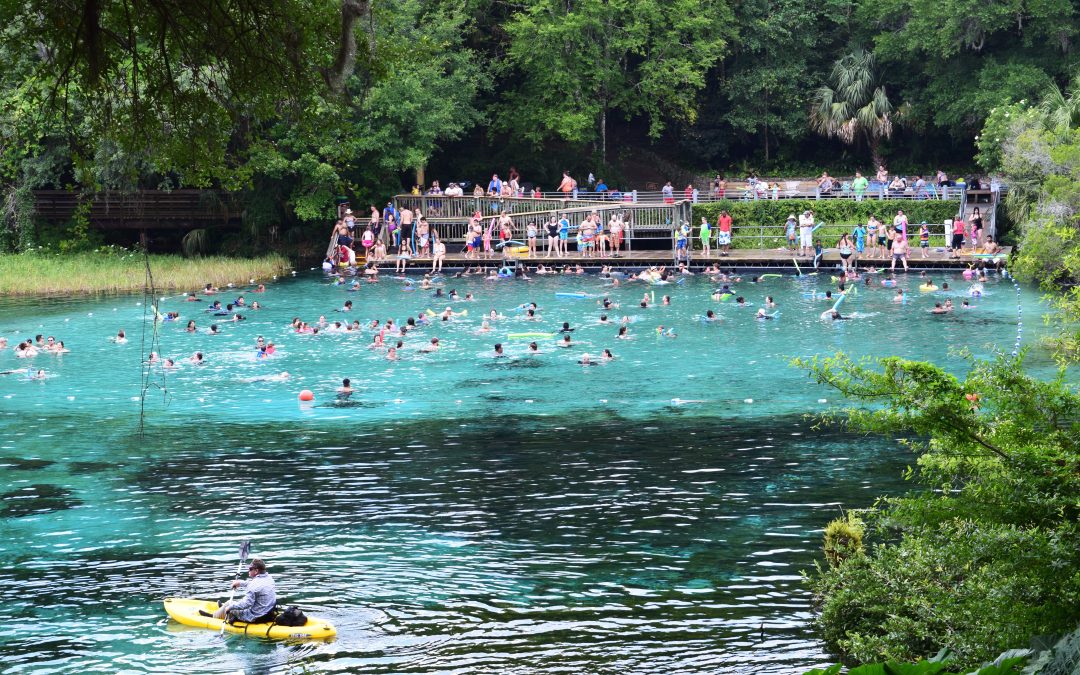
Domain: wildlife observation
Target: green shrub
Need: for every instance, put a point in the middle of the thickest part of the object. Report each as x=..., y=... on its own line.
x=986, y=556
x=843, y=539
x=760, y=224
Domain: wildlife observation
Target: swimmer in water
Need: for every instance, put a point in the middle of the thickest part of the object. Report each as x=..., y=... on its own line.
x=566, y=328
x=769, y=302
x=533, y=349
x=710, y=315
x=485, y=327
x=391, y=354
x=196, y=358
x=938, y=309
x=565, y=341
x=498, y=350
x=899, y=297
x=190, y=326
x=585, y=361
x=432, y=346
x=834, y=315
x=120, y=338
x=345, y=390
x=740, y=301
x=607, y=355
x=762, y=315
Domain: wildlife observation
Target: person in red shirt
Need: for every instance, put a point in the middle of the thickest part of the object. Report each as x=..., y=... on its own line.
x=723, y=232
x=957, y=236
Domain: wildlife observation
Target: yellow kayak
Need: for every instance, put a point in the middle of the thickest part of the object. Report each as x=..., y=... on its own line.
x=186, y=611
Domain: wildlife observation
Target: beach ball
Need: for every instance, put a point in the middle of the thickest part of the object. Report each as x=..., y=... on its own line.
x=306, y=395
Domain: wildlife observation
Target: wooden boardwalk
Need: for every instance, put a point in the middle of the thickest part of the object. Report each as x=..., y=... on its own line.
x=771, y=259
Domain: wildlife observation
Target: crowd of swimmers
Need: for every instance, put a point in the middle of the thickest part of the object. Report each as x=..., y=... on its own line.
x=390, y=336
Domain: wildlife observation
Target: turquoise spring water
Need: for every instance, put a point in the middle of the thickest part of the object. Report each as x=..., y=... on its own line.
x=462, y=513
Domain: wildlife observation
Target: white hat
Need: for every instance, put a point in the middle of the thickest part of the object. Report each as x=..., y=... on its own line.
x=348, y=211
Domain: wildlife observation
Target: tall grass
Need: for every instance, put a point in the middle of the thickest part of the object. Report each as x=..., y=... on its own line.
x=118, y=271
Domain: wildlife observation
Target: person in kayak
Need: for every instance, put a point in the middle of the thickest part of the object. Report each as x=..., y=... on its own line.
x=257, y=605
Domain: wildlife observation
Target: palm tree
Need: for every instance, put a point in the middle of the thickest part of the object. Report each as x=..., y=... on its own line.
x=853, y=108
x=1061, y=109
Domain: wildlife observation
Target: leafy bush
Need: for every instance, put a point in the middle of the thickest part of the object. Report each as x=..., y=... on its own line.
x=843, y=539
x=985, y=558
x=761, y=222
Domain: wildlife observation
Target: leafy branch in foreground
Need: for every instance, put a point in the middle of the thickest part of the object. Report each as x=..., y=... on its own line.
x=985, y=557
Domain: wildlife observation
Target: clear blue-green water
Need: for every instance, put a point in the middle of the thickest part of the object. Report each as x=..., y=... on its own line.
x=462, y=513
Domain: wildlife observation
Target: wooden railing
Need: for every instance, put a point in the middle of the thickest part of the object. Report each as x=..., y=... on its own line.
x=143, y=209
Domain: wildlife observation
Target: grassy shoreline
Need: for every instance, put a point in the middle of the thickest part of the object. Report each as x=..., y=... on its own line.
x=30, y=274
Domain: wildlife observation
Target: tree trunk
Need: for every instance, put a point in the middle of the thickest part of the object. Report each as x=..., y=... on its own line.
x=603, y=136
x=875, y=154
x=345, y=60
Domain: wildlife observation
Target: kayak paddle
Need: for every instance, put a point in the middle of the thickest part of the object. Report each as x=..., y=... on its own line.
x=245, y=548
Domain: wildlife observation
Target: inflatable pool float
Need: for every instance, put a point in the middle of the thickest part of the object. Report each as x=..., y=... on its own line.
x=187, y=611
x=579, y=296
x=530, y=336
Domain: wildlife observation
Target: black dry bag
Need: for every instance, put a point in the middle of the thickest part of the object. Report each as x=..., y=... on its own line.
x=292, y=616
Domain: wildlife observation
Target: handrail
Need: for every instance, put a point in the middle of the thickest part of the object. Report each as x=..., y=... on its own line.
x=443, y=203
x=645, y=223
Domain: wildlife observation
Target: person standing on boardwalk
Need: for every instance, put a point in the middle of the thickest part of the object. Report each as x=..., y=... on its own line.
x=899, y=251
x=723, y=233
x=806, y=233
x=859, y=185
x=552, y=237
x=567, y=185
x=406, y=226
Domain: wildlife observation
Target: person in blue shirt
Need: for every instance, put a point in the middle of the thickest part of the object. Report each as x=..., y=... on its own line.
x=601, y=186
x=681, y=236
x=495, y=186
x=564, y=233
x=859, y=233
x=389, y=212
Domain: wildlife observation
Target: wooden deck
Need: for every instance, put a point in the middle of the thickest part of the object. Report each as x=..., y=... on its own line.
x=771, y=259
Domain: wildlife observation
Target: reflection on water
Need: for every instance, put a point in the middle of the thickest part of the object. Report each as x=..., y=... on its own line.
x=458, y=512
x=600, y=546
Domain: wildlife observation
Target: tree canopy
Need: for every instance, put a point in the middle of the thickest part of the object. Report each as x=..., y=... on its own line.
x=298, y=102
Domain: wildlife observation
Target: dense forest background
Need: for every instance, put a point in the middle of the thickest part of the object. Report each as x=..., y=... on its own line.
x=294, y=103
